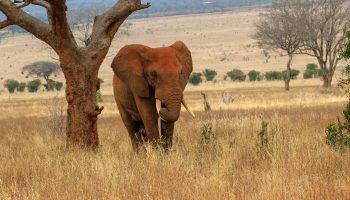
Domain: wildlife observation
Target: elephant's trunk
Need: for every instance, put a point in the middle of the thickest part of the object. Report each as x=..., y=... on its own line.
x=170, y=110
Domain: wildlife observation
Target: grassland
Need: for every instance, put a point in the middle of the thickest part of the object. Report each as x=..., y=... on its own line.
x=296, y=163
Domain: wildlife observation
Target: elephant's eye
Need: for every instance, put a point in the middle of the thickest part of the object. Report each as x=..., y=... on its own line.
x=154, y=74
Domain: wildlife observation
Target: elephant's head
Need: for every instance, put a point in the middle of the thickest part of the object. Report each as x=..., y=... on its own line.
x=161, y=73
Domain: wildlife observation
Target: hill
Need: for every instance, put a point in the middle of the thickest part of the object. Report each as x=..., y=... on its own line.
x=160, y=7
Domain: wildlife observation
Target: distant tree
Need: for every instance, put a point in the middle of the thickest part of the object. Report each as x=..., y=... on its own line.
x=324, y=28
x=236, y=75
x=312, y=71
x=273, y=75
x=254, y=75
x=277, y=30
x=58, y=86
x=195, y=78
x=82, y=20
x=50, y=85
x=293, y=74
x=209, y=74
x=42, y=69
x=21, y=87
x=33, y=86
x=11, y=85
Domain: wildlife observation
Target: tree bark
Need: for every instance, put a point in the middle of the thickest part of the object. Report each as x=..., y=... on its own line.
x=327, y=80
x=327, y=73
x=82, y=83
x=288, y=72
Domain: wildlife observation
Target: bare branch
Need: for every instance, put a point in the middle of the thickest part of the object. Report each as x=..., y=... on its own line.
x=4, y=24
x=60, y=24
x=107, y=24
x=27, y=22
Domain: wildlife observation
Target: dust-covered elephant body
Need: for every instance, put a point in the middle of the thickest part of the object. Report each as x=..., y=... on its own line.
x=144, y=76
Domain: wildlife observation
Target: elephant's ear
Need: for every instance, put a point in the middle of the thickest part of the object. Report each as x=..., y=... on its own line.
x=185, y=58
x=129, y=65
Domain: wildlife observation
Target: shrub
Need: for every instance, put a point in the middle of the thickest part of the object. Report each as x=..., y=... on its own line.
x=58, y=86
x=236, y=75
x=50, y=85
x=254, y=75
x=209, y=74
x=293, y=74
x=208, y=142
x=195, y=78
x=311, y=66
x=273, y=75
x=56, y=119
x=308, y=74
x=21, y=87
x=263, y=138
x=318, y=73
x=99, y=96
x=347, y=70
x=206, y=135
x=11, y=85
x=312, y=71
x=33, y=85
x=338, y=135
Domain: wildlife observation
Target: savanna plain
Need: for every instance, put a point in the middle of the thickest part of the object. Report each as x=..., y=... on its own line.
x=264, y=144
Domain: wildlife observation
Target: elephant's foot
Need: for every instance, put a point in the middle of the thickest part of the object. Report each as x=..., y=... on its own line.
x=141, y=136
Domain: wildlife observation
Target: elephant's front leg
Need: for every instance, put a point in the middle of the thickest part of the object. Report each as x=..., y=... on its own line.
x=167, y=133
x=149, y=116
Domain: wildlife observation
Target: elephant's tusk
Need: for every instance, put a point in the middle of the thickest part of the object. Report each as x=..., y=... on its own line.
x=187, y=108
x=160, y=127
x=159, y=106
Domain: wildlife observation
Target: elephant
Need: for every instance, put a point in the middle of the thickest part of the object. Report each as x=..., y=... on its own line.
x=148, y=85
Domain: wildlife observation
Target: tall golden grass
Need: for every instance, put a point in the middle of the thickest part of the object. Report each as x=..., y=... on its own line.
x=295, y=164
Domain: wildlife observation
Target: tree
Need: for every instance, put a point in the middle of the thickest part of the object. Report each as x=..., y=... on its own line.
x=324, y=28
x=195, y=78
x=80, y=64
x=273, y=75
x=293, y=74
x=58, y=86
x=11, y=85
x=254, y=75
x=209, y=74
x=21, y=87
x=312, y=71
x=277, y=30
x=42, y=69
x=33, y=86
x=82, y=20
x=236, y=75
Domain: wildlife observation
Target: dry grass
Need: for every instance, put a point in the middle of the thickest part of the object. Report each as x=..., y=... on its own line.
x=297, y=164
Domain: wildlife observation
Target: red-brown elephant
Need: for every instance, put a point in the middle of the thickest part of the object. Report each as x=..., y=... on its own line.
x=148, y=89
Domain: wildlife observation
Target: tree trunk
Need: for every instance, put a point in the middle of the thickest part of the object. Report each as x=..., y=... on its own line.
x=327, y=80
x=288, y=72
x=81, y=77
x=286, y=84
